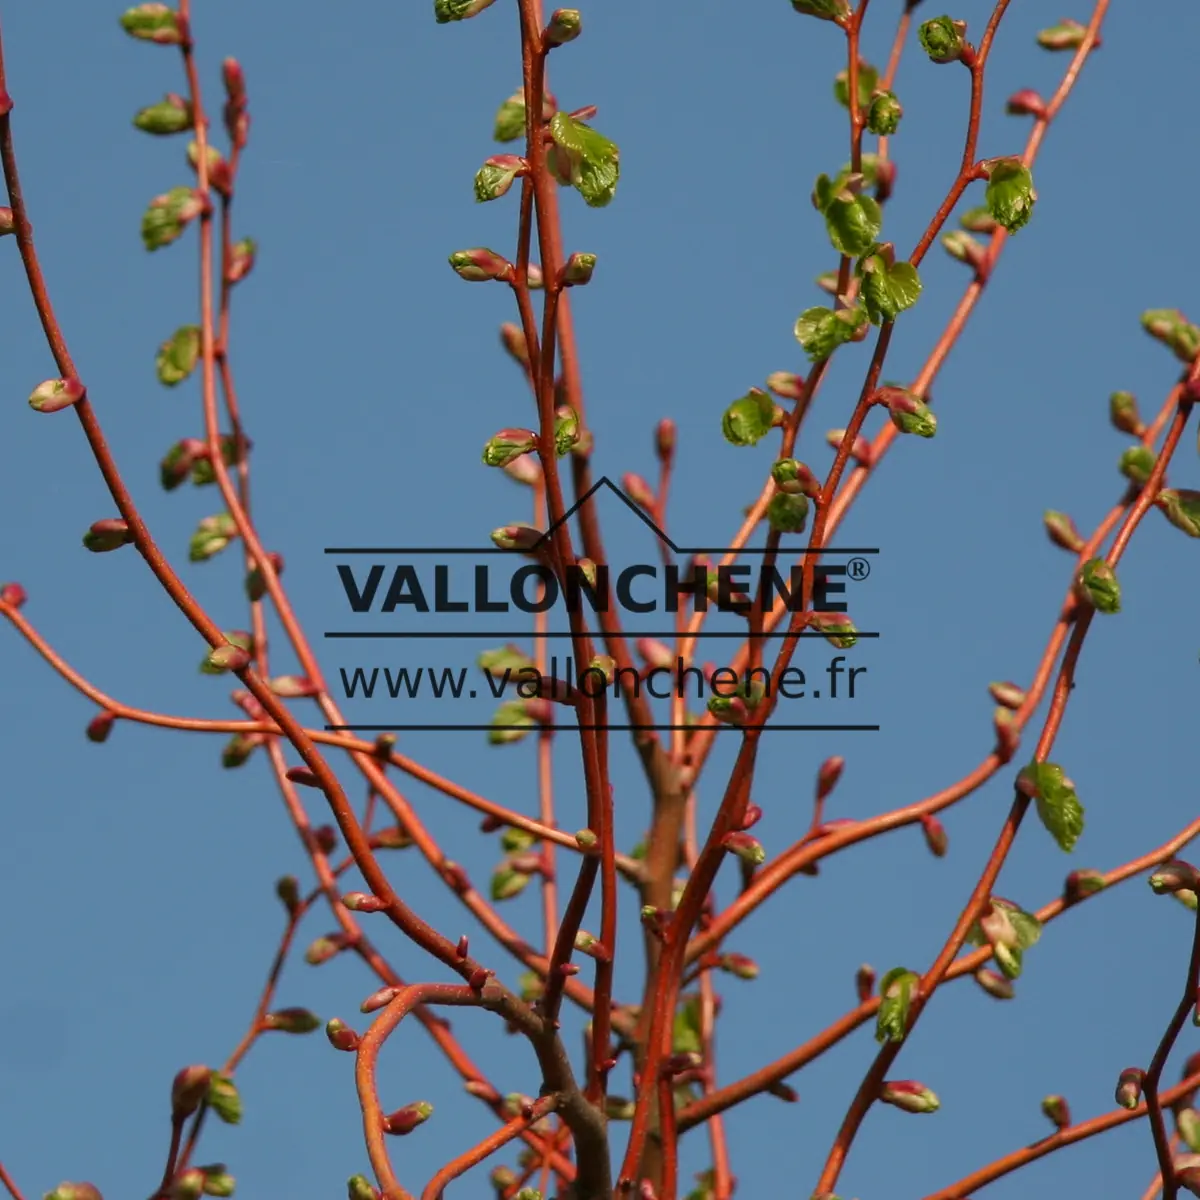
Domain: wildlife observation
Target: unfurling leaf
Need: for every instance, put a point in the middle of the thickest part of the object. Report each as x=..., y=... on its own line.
x=853, y=222
x=1010, y=195
x=177, y=356
x=1096, y=584
x=748, y=420
x=822, y=330
x=896, y=991
x=589, y=160
x=1058, y=806
x=887, y=288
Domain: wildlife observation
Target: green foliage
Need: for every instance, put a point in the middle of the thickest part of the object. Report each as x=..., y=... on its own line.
x=458, y=10
x=164, y=221
x=1097, y=584
x=509, y=125
x=887, y=288
x=1174, y=330
x=883, y=116
x=826, y=10
x=1137, y=463
x=178, y=355
x=1066, y=35
x=686, y=1034
x=853, y=222
x=224, y=1100
x=505, y=658
x=1181, y=507
x=507, y=883
x=822, y=330
x=203, y=472
x=839, y=630
x=1058, y=806
x=167, y=117
x=942, y=39
x=868, y=77
x=1010, y=193
x=566, y=431
x=212, y=535
x=787, y=513
x=495, y=177
x=1026, y=928
x=910, y=414
x=153, y=23
x=510, y=723
x=591, y=162
x=748, y=419
x=896, y=991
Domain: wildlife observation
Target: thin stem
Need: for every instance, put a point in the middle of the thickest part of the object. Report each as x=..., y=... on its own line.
x=10, y=1186
x=1162, y=1141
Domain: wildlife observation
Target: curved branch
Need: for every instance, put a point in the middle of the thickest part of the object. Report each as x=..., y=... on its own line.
x=368, y=1057
x=485, y=1149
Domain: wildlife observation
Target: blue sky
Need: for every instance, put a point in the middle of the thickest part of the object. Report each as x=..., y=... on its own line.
x=136, y=876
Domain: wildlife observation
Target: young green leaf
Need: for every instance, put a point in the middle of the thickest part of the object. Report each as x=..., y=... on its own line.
x=566, y=430
x=510, y=723
x=887, y=290
x=1123, y=414
x=458, y=10
x=1137, y=463
x=505, y=658
x=164, y=220
x=507, y=883
x=825, y=189
x=153, y=23
x=839, y=630
x=883, y=116
x=826, y=10
x=1066, y=35
x=224, y=1100
x=1097, y=585
x=1027, y=927
x=496, y=176
x=590, y=160
x=1010, y=194
x=177, y=356
x=686, y=1034
x=921, y=421
x=1181, y=507
x=895, y=997
x=168, y=116
x=821, y=330
x=212, y=535
x=868, y=77
x=942, y=39
x=1058, y=806
x=1173, y=329
x=748, y=419
x=787, y=513
x=510, y=119
x=853, y=222
x=202, y=470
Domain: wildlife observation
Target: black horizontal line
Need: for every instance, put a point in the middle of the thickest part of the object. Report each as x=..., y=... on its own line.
x=682, y=550
x=568, y=728
x=497, y=634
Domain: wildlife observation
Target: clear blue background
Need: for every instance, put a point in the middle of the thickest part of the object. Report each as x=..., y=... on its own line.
x=135, y=877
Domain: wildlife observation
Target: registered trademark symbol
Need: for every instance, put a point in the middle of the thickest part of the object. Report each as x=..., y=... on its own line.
x=858, y=568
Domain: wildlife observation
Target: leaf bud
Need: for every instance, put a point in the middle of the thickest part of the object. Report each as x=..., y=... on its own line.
x=480, y=264
x=910, y=1096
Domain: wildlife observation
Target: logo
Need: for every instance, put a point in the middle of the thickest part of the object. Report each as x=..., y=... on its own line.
x=420, y=614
